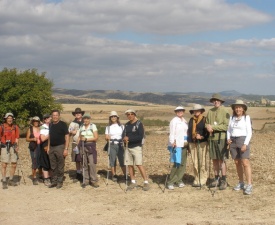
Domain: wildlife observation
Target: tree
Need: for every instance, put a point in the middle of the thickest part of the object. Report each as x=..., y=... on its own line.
x=25, y=94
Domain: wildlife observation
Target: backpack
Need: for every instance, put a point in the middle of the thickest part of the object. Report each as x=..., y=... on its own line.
x=3, y=129
x=144, y=136
x=90, y=128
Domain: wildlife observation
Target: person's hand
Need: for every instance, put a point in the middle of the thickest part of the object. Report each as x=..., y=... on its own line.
x=243, y=148
x=65, y=152
x=199, y=137
x=125, y=139
x=229, y=141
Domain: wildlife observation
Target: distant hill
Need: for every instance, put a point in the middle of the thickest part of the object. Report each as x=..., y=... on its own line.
x=127, y=97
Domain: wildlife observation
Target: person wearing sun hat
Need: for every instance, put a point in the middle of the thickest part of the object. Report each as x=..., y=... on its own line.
x=216, y=123
x=9, y=148
x=239, y=134
x=73, y=128
x=197, y=138
x=113, y=135
x=177, y=145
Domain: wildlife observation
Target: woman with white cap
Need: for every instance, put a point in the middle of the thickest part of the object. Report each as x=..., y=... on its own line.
x=239, y=134
x=33, y=137
x=178, y=142
x=113, y=134
x=198, y=146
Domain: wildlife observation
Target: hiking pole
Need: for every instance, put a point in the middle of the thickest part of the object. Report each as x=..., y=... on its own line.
x=199, y=165
x=126, y=166
x=108, y=162
x=19, y=164
x=169, y=168
x=83, y=167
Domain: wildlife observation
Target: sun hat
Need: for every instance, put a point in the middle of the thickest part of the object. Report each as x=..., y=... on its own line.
x=87, y=116
x=130, y=111
x=45, y=116
x=179, y=108
x=197, y=107
x=216, y=96
x=241, y=103
x=8, y=114
x=78, y=110
x=114, y=113
x=35, y=118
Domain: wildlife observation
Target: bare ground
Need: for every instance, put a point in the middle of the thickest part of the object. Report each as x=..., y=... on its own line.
x=109, y=204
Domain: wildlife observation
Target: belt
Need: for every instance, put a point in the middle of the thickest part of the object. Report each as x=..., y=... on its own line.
x=235, y=137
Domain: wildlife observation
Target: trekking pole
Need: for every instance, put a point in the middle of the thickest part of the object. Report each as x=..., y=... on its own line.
x=20, y=165
x=199, y=165
x=108, y=162
x=126, y=166
x=83, y=167
x=169, y=169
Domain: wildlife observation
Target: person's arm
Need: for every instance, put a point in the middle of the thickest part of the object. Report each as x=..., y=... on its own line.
x=28, y=139
x=65, y=152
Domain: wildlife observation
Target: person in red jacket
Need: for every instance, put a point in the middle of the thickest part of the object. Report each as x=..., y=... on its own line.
x=9, y=133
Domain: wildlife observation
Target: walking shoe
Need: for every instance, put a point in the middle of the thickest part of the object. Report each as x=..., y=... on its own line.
x=5, y=185
x=78, y=177
x=181, y=185
x=223, y=185
x=40, y=179
x=215, y=183
x=248, y=189
x=47, y=182
x=53, y=184
x=146, y=187
x=12, y=183
x=239, y=186
x=95, y=184
x=170, y=187
x=34, y=181
x=59, y=185
x=115, y=177
x=131, y=186
x=86, y=183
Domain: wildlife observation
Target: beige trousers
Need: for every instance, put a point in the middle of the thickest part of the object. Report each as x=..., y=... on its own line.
x=200, y=162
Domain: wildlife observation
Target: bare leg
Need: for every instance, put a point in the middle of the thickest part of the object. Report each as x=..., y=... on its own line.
x=247, y=170
x=142, y=171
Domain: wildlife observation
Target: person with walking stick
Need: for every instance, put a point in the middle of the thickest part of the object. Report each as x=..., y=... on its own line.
x=197, y=139
x=178, y=147
x=239, y=134
x=216, y=124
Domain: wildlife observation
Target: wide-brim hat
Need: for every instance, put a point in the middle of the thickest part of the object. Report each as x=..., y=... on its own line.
x=130, y=111
x=114, y=113
x=197, y=107
x=88, y=116
x=8, y=114
x=35, y=118
x=78, y=110
x=179, y=108
x=240, y=103
x=216, y=96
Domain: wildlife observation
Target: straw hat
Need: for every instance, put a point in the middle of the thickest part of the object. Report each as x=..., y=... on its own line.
x=240, y=103
x=216, y=96
x=179, y=108
x=130, y=111
x=114, y=113
x=197, y=107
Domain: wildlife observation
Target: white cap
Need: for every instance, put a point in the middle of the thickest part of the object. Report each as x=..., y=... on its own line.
x=9, y=114
x=179, y=108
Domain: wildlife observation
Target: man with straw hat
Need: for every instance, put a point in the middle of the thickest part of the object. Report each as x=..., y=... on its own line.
x=216, y=123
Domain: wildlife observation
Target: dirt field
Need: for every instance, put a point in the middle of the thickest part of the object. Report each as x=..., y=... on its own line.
x=109, y=204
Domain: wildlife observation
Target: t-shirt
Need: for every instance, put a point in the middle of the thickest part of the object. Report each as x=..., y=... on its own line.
x=115, y=131
x=58, y=132
x=89, y=131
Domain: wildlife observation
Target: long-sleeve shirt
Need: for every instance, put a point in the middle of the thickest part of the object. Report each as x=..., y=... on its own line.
x=178, y=131
x=135, y=133
x=240, y=127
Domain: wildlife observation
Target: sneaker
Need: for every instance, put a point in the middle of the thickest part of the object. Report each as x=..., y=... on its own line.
x=115, y=177
x=12, y=183
x=131, y=186
x=223, y=185
x=181, y=185
x=215, y=183
x=5, y=185
x=146, y=187
x=248, y=189
x=95, y=184
x=47, y=182
x=59, y=185
x=239, y=186
x=170, y=187
x=35, y=181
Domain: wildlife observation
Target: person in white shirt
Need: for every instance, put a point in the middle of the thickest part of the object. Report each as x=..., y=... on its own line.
x=113, y=134
x=178, y=144
x=239, y=134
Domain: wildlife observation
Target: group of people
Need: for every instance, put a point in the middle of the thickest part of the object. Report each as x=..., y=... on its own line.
x=215, y=134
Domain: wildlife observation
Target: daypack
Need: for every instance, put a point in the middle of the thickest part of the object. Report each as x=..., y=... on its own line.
x=144, y=136
x=3, y=129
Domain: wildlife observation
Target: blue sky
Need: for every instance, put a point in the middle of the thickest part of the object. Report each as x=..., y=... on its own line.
x=143, y=46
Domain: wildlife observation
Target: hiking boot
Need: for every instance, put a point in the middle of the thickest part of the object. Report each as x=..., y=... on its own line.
x=86, y=183
x=215, y=183
x=59, y=185
x=146, y=187
x=115, y=178
x=53, y=184
x=12, y=183
x=239, y=186
x=5, y=185
x=170, y=187
x=223, y=185
x=248, y=189
x=41, y=179
x=95, y=184
x=181, y=185
x=34, y=181
x=131, y=186
x=47, y=182
x=77, y=178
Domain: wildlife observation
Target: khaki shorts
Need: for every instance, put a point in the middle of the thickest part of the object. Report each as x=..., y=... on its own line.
x=133, y=156
x=8, y=157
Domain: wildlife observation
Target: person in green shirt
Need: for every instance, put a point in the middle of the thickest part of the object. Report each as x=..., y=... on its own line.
x=217, y=121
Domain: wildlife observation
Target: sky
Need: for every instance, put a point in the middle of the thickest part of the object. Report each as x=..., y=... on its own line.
x=143, y=45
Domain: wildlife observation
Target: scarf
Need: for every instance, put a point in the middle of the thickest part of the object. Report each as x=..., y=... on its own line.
x=196, y=120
